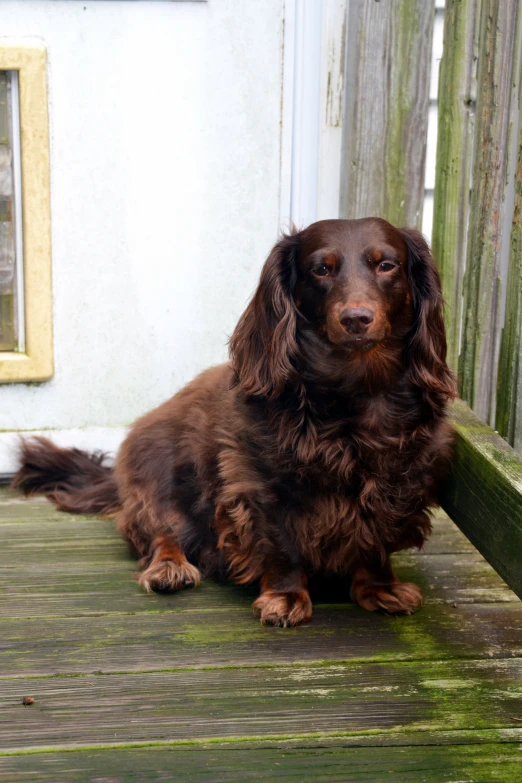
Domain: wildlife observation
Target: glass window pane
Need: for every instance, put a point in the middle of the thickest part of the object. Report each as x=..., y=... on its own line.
x=8, y=277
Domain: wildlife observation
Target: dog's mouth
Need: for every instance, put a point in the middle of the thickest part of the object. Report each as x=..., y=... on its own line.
x=360, y=342
x=353, y=343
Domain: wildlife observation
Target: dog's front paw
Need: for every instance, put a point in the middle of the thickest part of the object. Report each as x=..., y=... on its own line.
x=166, y=576
x=283, y=609
x=394, y=598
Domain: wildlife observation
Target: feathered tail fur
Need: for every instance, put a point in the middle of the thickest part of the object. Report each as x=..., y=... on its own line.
x=73, y=480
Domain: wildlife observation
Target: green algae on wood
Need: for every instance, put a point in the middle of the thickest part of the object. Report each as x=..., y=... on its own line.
x=318, y=760
x=345, y=698
x=509, y=398
x=386, y=119
x=156, y=641
x=456, y=107
x=203, y=688
x=482, y=292
x=484, y=494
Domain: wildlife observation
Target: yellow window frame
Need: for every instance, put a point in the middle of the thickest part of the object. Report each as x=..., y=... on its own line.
x=36, y=362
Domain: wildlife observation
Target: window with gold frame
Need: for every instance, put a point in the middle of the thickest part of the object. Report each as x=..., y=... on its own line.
x=26, y=348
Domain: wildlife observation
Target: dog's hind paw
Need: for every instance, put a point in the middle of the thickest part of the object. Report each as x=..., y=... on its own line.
x=395, y=598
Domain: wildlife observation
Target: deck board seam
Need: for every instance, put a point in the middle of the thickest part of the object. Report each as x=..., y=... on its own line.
x=313, y=664
x=240, y=609
x=260, y=739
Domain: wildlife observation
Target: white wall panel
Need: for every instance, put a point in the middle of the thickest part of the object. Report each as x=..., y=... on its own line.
x=165, y=173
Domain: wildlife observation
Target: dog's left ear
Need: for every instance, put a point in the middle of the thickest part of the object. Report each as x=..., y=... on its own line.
x=263, y=347
x=427, y=346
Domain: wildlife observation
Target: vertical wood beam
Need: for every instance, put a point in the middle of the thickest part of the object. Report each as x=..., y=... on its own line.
x=509, y=396
x=387, y=77
x=456, y=107
x=482, y=293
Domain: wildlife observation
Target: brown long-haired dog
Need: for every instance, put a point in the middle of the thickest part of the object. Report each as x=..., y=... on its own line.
x=317, y=449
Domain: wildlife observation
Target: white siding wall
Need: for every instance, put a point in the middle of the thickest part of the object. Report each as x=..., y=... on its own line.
x=165, y=172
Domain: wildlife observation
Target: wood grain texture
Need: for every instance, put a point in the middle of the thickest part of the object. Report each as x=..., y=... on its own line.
x=509, y=398
x=149, y=642
x=456, y=110
x=80, y=589
x=348, y=698
x=481, y=322
x=325, y=763
x=386, y=119
x=484, y=494
x=109, y=667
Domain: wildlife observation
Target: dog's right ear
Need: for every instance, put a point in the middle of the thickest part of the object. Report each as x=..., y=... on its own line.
x=263, y=347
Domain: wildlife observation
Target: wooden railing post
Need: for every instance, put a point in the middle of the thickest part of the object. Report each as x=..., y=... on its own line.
x=483, y=495
x=388, y=54
x=482, y=291
x=456, y=110
x=509, y=387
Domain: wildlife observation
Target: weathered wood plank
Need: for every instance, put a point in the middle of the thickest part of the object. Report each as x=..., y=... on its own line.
x=484, y=494
x=509, y=397
x=326, y=762
x=453, y=578
x=456, y=108
x=446, y=538
x=213, y=627
x=81, y=589
x=372, y=739
x=480, y=336
x=157, y=641
x=386, y=119
x=97, y=592
x=16, y=553
x=253, y=702
x=14, y=507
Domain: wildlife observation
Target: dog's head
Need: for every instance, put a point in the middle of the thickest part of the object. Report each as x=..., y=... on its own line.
x=359, y=288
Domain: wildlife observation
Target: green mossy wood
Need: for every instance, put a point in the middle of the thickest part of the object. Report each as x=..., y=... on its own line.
x=484, y=494
x=490, y=214
x=456, y=101
x=132, y=687
x=509, y=399
x=328, y=762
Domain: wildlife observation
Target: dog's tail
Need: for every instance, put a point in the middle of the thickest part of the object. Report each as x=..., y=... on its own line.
x=73, y=480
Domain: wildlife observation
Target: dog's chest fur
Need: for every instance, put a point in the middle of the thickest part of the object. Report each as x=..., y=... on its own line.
x=332, y=482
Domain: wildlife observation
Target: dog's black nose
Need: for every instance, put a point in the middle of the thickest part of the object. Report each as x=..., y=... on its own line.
x=356, y=319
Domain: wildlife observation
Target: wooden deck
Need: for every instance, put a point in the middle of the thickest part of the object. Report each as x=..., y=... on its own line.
x=135, y=687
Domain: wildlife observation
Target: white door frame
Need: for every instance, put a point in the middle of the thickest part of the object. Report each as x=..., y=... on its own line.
x=312, y=110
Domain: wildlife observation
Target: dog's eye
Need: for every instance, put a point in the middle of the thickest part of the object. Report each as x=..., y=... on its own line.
x=321, y=271
x=386, y=266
